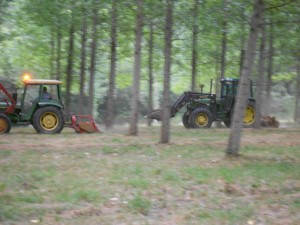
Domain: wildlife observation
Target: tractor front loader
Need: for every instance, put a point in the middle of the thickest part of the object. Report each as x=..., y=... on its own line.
x=204, y=108
x=43, y=110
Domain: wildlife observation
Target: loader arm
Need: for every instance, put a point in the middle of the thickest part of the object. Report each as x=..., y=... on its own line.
x=10, y=107
x=185, y=98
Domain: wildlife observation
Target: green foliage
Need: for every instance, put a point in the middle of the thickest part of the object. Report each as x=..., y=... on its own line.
x=29, y=42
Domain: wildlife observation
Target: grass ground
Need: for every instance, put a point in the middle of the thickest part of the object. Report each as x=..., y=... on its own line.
x=112, y=178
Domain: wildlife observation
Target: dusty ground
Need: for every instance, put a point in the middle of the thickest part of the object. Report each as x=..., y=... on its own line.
x=112, y=178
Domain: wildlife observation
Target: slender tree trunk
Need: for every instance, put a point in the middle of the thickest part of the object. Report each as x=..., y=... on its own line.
x=52, y=55
x=83, y=61
x=224, y=40
x=58, y=53
x=243, y=89
x=133, y=129
x=243, y=40
x=69, y=72
x=270, y=69
x=195, y=13
x=165, y=129
x=93, y=58
x=109, y=113
x=297, y=96
x=261, y=79
x=150, y=66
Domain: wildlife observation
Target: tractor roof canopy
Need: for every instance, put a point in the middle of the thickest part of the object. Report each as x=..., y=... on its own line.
x=41, y=81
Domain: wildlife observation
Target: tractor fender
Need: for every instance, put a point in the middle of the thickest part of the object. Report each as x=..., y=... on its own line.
x=43, y=104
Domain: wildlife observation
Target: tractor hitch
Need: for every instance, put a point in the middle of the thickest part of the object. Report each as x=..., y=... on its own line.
x=83, y=124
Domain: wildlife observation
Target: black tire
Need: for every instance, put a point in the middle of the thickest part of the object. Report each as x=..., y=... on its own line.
x=186, y=120
x=5, y=124
x=227, y=123
x=201, y=118
x=48, y=120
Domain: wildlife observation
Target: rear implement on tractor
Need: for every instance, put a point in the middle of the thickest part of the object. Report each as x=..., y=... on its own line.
x=204, y=108
x=42, y=109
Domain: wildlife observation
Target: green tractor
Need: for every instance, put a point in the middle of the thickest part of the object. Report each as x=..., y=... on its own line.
x=37, y=106
x=202, y=108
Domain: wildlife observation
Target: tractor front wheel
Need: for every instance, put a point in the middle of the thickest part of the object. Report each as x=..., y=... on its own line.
x=5, y=124
x=201, y=118
x=186, y=120
x=48, y=120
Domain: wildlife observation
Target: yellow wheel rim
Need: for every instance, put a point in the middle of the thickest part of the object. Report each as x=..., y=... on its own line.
x=249, y=116
x=202, y=119
x=49, y=121
x=3, y=125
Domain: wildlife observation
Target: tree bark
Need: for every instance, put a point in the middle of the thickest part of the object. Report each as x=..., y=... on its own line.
x=243, y=40
x=58, y=53
x=297, y=95
x=109, y=113
x=93, y=58
x=69, y=72
x=261, y=79
x=150, y=72
x=195, y=13
x=52, y=55
x=270, y=69
x=243, y=89
x=165, y=129
x=133, y=129
x=83, y=61
x=224, y=40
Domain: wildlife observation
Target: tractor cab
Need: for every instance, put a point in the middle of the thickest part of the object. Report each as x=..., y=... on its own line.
x=228, y=92
x=39, y=93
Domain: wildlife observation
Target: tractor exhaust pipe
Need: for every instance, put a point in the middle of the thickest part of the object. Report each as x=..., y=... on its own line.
x=211, y=83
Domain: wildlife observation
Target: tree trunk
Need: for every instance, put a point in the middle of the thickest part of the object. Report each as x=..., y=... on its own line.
x=165, y=129
x=58, y=53
x=150, y=66
x=69, y=72
x=243, y=89
x=224, y=50
x=83, y=62
x=243, y=40
x=195, y=13
x=270, y=70
x=52, y=55
x=109, y=113
x=133, y=129
x=261, y=79
x=297, y=96
x=93, y=58
x=224, y=40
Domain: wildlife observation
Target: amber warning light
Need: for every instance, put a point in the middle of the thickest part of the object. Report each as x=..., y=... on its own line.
x=26, y=77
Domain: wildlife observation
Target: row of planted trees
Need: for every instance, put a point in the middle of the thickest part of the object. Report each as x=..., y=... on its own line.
x=100, y=46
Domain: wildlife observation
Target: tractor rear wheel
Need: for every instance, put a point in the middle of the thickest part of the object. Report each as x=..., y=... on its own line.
x=5, y=124
x=48, y=120
x=249, y=116
x=201, y=118
x=186, y=120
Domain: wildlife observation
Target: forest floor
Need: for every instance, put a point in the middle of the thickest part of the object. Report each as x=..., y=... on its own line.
x=112, y=178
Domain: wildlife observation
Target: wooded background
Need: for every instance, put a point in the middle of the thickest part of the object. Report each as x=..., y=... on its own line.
x=102, y=48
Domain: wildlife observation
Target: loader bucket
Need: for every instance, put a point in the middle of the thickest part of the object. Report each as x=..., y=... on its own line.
x=155, y=114
x=83, y=124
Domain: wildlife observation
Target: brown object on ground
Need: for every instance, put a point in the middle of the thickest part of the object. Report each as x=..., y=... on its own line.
x=269, y=121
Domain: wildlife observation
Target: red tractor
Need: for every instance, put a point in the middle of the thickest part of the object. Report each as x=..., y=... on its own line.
x=42, y=109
